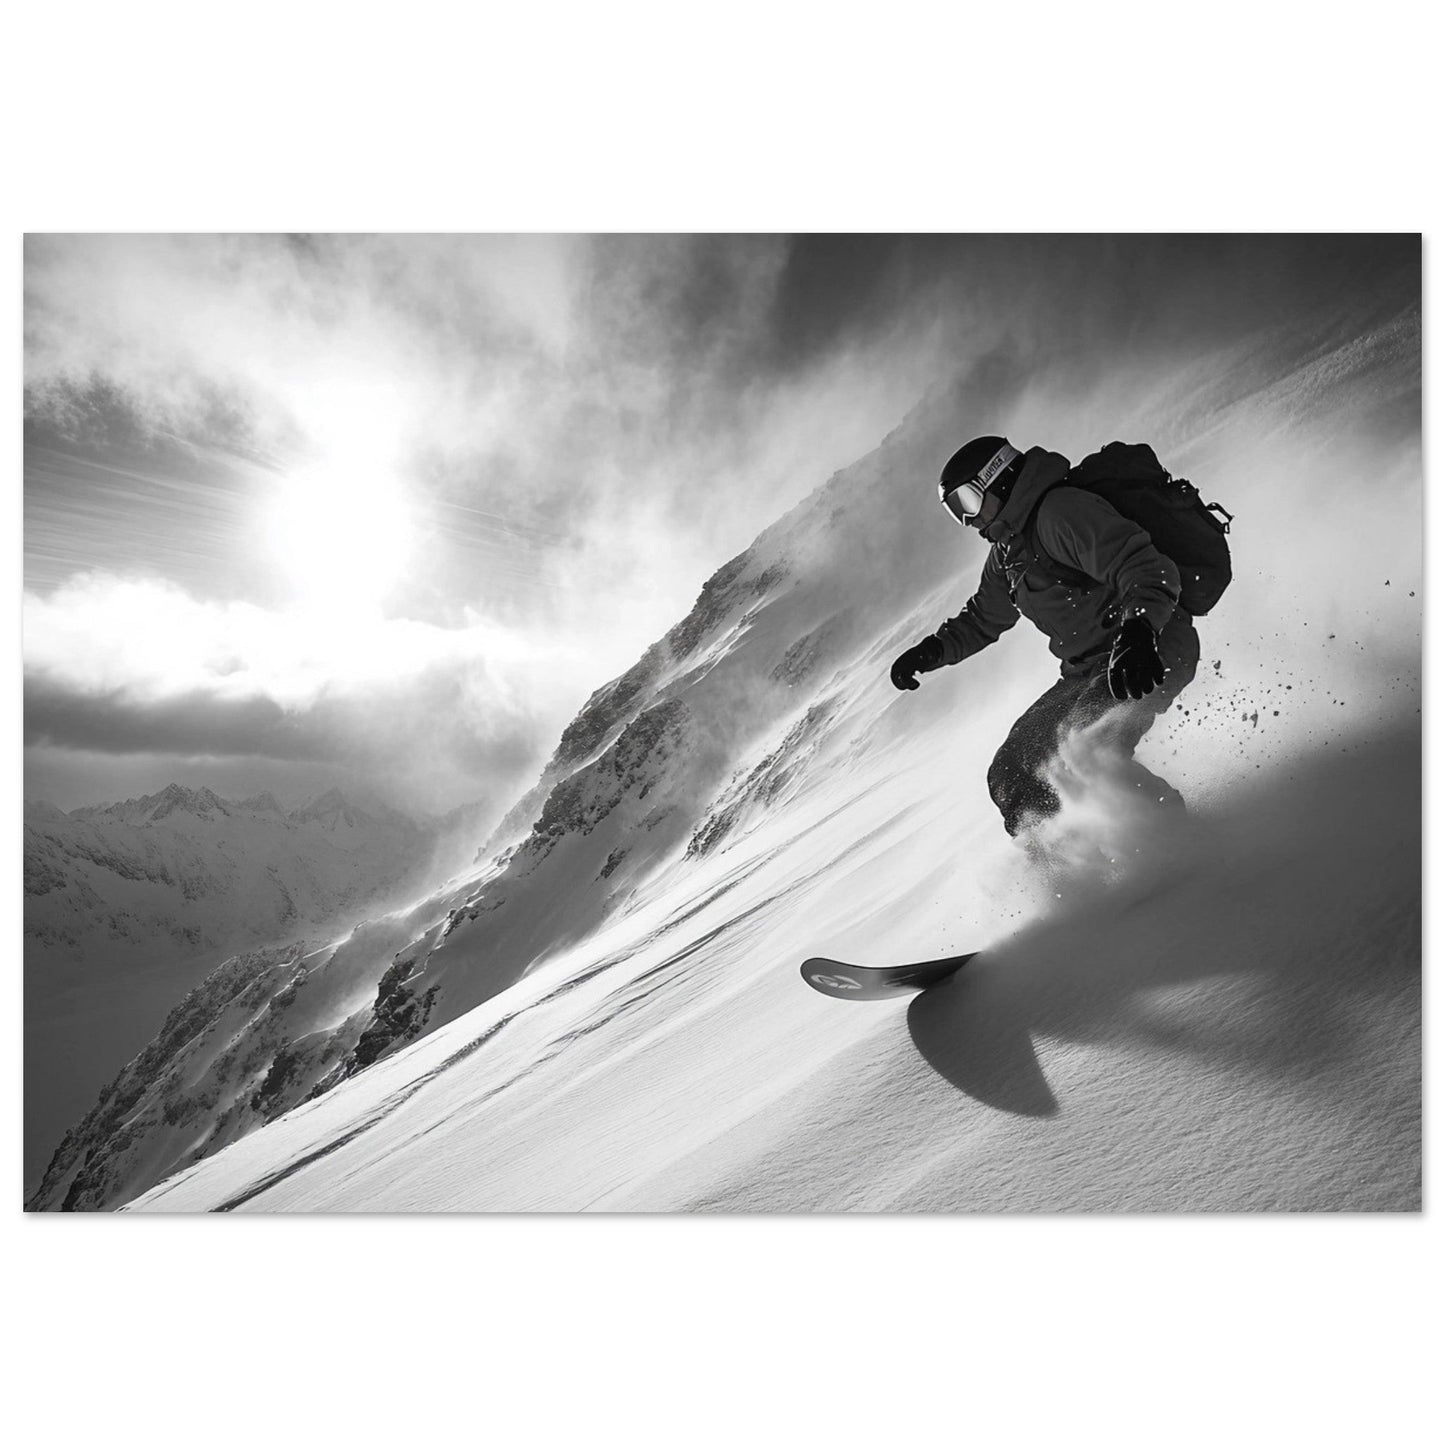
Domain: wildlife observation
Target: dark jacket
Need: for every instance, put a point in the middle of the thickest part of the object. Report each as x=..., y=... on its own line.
x=1118, y=572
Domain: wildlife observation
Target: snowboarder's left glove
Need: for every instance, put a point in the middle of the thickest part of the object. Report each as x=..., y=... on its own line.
x=921, y=657
x=1134, y=666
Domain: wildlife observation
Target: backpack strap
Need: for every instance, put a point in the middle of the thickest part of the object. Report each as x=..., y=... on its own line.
x=1026, y=558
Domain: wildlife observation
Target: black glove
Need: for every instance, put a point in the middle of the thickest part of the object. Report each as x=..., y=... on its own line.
x=921, y=657
x=1134, y=666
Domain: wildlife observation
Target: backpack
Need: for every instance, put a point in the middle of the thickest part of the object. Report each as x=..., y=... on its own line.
x=1179, y=523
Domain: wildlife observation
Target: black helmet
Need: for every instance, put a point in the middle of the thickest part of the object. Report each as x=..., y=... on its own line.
x=986, y=464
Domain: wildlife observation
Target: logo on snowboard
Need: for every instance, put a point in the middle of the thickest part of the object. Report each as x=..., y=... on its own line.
x=835, y=980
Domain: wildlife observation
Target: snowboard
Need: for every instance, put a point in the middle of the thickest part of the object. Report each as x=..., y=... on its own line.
x=862, y=981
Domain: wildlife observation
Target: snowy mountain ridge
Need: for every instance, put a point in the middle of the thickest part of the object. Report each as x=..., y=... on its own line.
x=184, y=867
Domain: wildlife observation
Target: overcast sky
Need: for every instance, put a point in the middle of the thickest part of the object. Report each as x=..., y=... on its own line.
x=382, y=511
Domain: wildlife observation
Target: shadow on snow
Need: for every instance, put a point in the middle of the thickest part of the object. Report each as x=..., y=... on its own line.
x=1280, y=935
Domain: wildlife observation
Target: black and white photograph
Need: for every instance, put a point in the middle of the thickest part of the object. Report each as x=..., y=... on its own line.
x=722, y=723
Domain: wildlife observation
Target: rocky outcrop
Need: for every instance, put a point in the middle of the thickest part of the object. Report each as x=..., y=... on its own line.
x=161, y=1104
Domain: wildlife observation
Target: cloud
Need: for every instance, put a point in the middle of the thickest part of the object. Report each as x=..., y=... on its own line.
x=428, y=745
x=150, y=639
x=187, y=723
x=277, y=321
x=620, y=404
x=610, y=366
x=124, y=666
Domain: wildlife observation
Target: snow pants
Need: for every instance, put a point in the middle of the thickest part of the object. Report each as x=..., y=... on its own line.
x=1080, y=697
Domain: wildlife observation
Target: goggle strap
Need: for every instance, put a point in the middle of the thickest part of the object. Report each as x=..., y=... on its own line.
x=995, y=464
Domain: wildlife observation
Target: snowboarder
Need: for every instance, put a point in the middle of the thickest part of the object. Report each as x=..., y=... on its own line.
x=1094, y=583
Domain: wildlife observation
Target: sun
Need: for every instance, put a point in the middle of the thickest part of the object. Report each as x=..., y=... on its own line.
x=341, y=534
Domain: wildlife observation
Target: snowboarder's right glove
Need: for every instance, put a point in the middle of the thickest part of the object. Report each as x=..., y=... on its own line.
x=921, y=657
x=1134, y=666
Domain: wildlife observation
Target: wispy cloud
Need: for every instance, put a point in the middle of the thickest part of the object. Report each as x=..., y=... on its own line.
x=177, y=674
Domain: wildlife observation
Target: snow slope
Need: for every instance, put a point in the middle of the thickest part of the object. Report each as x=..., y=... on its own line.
x=609, y=1016
x=1234, y=1027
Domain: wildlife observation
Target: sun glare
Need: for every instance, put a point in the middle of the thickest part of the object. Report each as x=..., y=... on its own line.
x=340, y=534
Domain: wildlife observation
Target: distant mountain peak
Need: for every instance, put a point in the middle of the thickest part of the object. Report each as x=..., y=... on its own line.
x=328, y=802
x=176, y=798
x=333, y=809
x=42, y=810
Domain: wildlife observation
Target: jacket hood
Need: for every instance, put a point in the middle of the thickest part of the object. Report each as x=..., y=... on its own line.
x=1041, y=470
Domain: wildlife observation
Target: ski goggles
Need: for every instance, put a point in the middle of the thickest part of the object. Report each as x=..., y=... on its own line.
x=966, y=502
